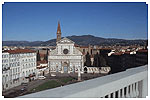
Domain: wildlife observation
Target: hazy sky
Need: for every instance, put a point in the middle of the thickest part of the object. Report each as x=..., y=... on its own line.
x=38, y=21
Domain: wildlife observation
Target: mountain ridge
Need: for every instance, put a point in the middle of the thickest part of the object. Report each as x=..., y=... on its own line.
x=80, y=40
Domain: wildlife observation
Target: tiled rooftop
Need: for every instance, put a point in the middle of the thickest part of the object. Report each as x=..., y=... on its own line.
x=20, y=51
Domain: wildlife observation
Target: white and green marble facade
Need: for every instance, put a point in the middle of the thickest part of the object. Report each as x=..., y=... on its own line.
x=59, y=60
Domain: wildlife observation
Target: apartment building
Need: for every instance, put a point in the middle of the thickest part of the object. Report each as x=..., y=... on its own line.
x=19, y=66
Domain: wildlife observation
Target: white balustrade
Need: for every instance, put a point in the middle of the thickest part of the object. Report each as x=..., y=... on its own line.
x=134, y=92
x=136, y=89
x=119, y=94
x=123, y=93
x=145, y=87
x=131, y=83
x=109, y=95
x=131, y=91
x=114, y=94
x=127, y=92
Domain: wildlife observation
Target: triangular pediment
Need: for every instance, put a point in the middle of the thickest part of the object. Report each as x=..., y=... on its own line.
x=65, y=40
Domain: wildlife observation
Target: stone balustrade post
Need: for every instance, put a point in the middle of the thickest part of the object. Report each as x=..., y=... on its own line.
x=79, y=74
x=145, y=87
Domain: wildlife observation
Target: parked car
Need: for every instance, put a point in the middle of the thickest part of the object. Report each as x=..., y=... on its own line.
x=53, y=75
x=23, y=89
x=41, y=77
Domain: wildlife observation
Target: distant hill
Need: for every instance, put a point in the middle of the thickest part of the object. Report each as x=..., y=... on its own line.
x=21, y=43
x=80, y=40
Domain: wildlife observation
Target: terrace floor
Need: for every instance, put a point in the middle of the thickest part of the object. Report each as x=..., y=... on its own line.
x=48, y=83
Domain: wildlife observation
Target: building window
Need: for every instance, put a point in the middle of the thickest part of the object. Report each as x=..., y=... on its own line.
x=26, y=73
x=23, y=74
x=18, y=69
x=13, y=71
x=18, y=63
x=2, y=65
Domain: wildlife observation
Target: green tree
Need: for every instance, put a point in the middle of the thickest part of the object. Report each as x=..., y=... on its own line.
x=46, y=56
x=88, y=59
x=38, y=56
x=96, y=60
x=99, y=60
x=102, y=61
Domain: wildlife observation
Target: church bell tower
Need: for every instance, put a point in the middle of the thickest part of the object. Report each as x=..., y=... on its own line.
x=58, y=32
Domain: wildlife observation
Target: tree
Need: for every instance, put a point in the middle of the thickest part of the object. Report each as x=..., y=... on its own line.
x=88, y=59
x=38, y=56
x=46, y=56
x=99, y=60
x=102, y=61
x=96, y=60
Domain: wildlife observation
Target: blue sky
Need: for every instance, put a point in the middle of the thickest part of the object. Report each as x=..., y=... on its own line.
x=38, y=21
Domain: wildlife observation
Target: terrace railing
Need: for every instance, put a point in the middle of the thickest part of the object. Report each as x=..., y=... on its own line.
x=132, y=83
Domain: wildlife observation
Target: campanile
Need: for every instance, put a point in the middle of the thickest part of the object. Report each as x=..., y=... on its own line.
x=58, y=32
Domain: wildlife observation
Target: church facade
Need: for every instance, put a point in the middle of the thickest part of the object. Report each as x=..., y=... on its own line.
x=66, y=58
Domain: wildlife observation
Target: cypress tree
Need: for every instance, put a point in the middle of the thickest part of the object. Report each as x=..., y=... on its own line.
x=38, y=56
x=96, y=60
x=88, y=59
x=46, y=56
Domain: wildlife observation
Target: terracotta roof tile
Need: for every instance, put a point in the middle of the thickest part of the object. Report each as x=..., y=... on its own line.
x=20, y=51
x=42, y=62
x=84, y=47
x=142, y=50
